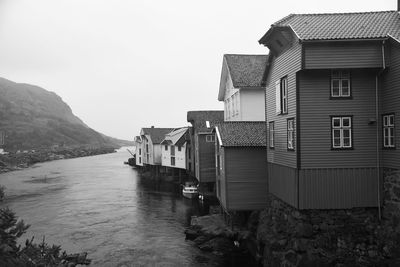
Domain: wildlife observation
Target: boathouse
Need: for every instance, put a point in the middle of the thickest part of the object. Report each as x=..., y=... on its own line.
x=174, y=148
x=241, y=172
x=333, y=108
x=201, y=148
x=151, y=140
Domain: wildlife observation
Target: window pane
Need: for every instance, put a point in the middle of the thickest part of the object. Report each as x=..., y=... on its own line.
x=346, y=122
x=391, y=120
x=386, y=141
x=336, y=122
x=385, y=120
x=336, y=134
x=391, y=141
x=346, y=133
x=345, y=88
x=336, y=142
x=346, y=142
x=335, y=88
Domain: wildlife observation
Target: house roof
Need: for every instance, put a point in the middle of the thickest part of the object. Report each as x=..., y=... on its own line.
x=242, y=133
x=175, y=135
x=246, y=70
x=338, y=26
x=156, y=134
x=199, y=118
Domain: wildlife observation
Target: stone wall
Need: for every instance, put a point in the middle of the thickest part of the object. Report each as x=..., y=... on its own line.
x=391, y=196
x=290, y=237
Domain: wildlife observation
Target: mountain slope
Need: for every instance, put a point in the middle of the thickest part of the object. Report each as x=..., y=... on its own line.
x=33, y=118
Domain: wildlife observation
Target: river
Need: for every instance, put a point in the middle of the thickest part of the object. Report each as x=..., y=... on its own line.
x=100, y=206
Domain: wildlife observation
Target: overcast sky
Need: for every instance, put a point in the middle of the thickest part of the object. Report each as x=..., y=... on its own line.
x=126, y=64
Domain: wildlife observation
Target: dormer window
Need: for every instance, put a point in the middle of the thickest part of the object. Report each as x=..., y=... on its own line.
x=340, y=83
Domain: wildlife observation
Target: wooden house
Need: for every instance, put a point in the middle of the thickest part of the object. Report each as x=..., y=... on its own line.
x=139, y=150
x=241, y=171
x=174, y=148
x=201, y=147
x=332, y=105
x=151, y=140
x=242, y=87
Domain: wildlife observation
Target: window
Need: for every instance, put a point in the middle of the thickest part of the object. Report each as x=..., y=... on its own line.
x=189, y=153
x=140, y=160
x=290, y=134
x=341, y=132
x=166, y=147
x=281, y=96
x=147, y=148
x=210, y=138
x=388, y=131
x=179, y=148
x=271, y=134
x=172, y=155
x=218, y=165
x=340, y=83
x=140, y=151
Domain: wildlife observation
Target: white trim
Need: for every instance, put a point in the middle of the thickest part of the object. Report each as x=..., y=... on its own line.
x=394, y=38
x=208, y=124
x=298, y=37
x=218, y=136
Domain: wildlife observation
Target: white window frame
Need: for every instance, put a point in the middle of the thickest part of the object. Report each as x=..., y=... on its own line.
x=290, y=134
x=271, y=134
x=284, y=95
x=210, y=138
x=388, y=131
x=340, y=76
x=341, y=128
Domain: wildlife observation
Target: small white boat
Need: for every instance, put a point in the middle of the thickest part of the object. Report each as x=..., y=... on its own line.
x=190, y=191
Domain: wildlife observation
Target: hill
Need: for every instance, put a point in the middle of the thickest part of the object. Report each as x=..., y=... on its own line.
x=34, y=118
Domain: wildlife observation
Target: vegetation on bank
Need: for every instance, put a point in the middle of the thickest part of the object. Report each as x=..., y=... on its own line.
x=24, y=159
x=31, y=253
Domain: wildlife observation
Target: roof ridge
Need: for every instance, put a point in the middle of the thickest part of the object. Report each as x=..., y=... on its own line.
x=346, y=13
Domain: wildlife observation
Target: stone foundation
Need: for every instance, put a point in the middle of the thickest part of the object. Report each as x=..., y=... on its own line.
x=290, y=237
x=391, y=195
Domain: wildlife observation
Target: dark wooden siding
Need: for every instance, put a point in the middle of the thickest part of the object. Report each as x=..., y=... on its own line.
x=338, y=188
x=343, y=55
x=391, y=104
x=286, y=64
x=206, y=160
x=246, y=178
x=283, y=183
x=221, y=186
x=316, y=107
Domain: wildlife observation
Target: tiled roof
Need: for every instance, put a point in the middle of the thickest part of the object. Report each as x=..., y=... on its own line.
x=199, y=118
x=246, y=70
x=363, y=25
x=175, y=135
x=156, y=134
x=242, y=133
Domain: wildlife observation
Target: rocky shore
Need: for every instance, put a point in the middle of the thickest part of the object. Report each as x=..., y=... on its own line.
x=20, y=160
x=210, y=233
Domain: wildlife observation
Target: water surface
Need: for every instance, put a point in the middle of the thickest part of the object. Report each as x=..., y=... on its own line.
x=103, y=207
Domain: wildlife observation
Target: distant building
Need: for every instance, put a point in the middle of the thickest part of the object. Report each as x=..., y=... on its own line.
x=333, y=108
x=242, y=87
x=201, y=147
x=139, y=150
x=151, y=144
x=174, y=148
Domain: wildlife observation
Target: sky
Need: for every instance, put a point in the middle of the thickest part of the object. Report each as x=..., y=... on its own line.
x=125, y=64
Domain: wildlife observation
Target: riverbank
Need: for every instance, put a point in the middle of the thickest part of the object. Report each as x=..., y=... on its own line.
x=21, y=160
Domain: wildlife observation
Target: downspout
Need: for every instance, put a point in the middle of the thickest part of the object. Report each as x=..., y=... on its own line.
x=377, y=128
